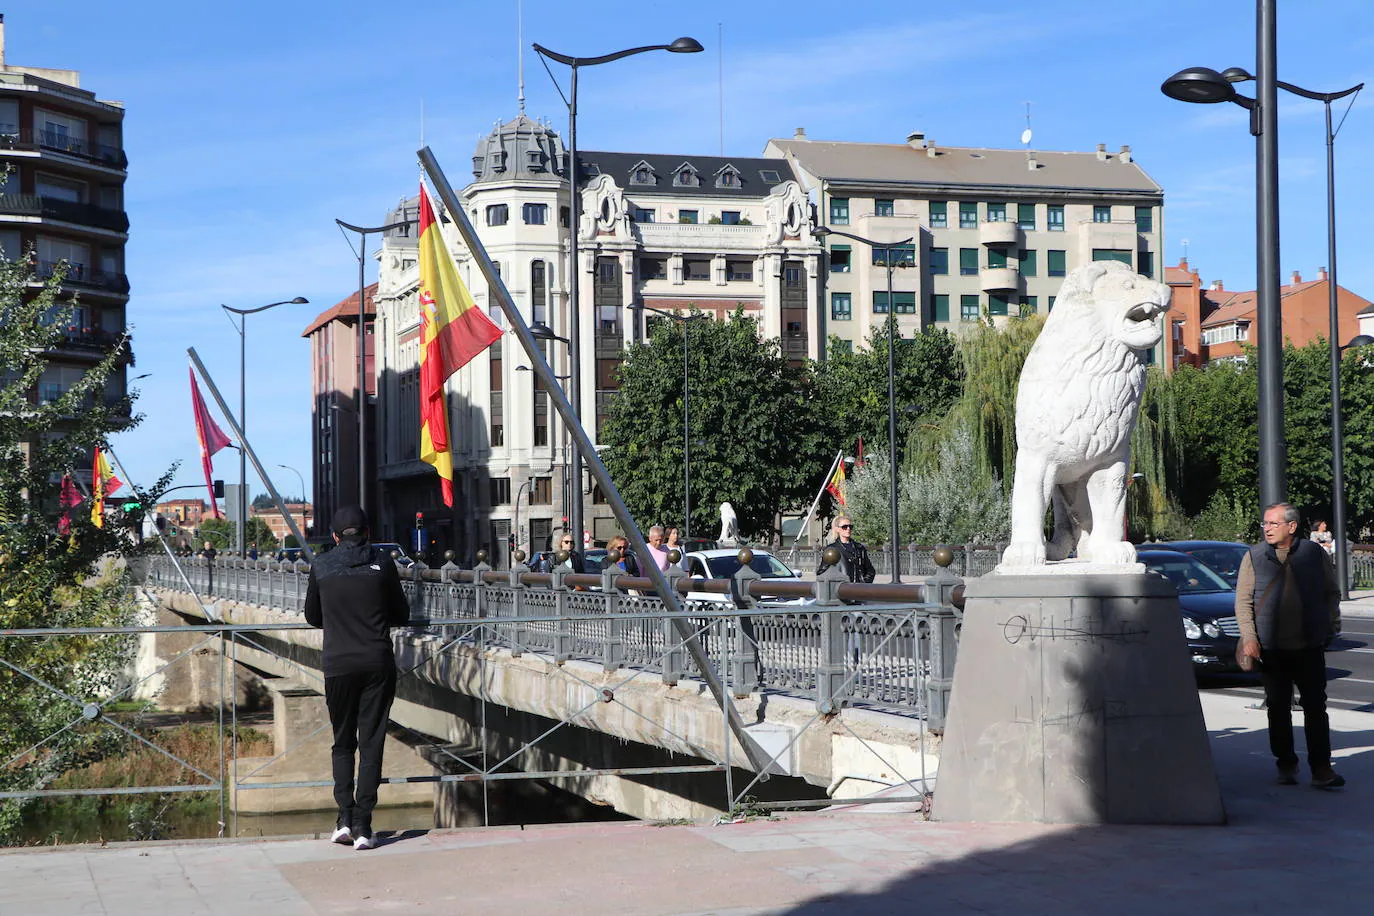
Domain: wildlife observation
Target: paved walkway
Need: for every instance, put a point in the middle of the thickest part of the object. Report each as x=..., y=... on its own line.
x=1286, y=850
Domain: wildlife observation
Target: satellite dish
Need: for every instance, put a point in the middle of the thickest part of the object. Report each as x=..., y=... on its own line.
x=1026, y=137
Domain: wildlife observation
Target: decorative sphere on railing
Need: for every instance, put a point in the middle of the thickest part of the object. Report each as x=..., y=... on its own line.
x=675, y=556
x=942, y=556
x=561, y=557
x=745, y=556
x=612, y=557
x=395, y=555
x=482, y=556
x=830, y=556
x=449, y=555
x=518, y=556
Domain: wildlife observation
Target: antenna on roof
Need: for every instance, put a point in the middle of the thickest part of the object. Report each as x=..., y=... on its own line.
x=520, y=50
x=1026, y=134
x=1184, y=243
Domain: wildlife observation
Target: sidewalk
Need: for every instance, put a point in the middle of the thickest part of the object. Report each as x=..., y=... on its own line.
x=1286, y=850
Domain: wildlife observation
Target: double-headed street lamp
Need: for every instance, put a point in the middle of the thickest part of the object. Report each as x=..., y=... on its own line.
x=685, y=321
x=361, y=402
x=887, y=248
x=680, y=46
x=243, y=409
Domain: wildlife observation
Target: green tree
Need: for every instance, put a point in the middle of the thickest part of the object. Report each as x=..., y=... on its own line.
x=751, y=442
x=53, y=575
x=222, y=533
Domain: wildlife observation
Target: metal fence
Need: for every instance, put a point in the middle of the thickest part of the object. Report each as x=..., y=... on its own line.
x=970, y=560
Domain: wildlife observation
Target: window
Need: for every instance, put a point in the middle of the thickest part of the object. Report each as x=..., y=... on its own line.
x=539, y=292
x=1102, y=214
x=879, y=302
x=1027, y=259
x=770, y=176
x=997, y=213
x=939, y=261
x=1029, y=306
x=839, y=259
x=901, y=255
x=1056, y=263
x=939, y=214
x=642, y=175
x=696, y=269
x=997, y=257
x=686, y=177
x=968, y=215
x=739, y=270
x=687, y=216
x=968, y=308
x=497, y=215
x=1144, y=219
x=642, y=215
x=842, y=346
x=968, y=262
x=839, y=211
x=903, y=303
x=60, y=188
x=883, y=208
x=997, y=303
x=1050, y=307
x=729, y=217
x=607, y=270
x=1025, y=217
x=1054, y=217
x=653, y=268
x=541, y=491
x=1112, y=254
x=535, y=214
x=841, y=306
x=500, y=491
x=939, y=306
x=1145, y=263
x=564, y=216
x=728, y=178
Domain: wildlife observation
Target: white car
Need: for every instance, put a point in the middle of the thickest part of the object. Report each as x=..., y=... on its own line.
x=723, y=563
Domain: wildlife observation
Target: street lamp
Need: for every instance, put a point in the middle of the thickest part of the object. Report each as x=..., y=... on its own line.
x=893, y=532
x=1207, y=86
x=680, y=46
x=243, y=411
x=361, y=402
x=305, y=500
x=685, y=321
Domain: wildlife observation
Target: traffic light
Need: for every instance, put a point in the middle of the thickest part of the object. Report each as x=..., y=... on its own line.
x=132, y=505
x=419, y=520
x=219, y=489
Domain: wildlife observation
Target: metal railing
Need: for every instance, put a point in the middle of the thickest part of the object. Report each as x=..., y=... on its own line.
x=970, y=560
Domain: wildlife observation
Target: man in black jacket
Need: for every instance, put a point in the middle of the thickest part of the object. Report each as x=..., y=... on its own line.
x=355, y=596
x=853, y=555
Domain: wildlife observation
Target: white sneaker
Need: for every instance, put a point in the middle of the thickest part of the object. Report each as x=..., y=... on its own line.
x=342, y=835
x=365, y=842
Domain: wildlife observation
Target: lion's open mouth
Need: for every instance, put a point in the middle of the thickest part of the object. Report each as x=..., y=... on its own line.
x=1144, y=313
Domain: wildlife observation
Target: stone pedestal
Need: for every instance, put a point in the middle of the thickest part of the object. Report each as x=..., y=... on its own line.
x=1074, y=701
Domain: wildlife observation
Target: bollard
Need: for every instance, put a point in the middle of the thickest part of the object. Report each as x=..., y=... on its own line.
x=448, y=573
x=516, y=634
x=613, y=651
x=943, y=634
x=562, y=628
x=744, y=649
x=674, y=653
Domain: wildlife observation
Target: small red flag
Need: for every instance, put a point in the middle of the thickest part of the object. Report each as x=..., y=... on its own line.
x=211, y=437
x=69, y=497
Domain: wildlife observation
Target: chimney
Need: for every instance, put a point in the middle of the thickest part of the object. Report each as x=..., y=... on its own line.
x=1297, y=278
x=800, y=134
x=916, y=139
x=1183, y=263
x=1125, y=154
x=1030, y=160
x=1101, y=152
x=1321, y=273
x=1217, y=287
x=931, y=151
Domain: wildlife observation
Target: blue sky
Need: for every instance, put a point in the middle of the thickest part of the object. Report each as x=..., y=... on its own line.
x=251, y=126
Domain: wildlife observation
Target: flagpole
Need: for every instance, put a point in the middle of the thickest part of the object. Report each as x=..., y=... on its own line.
x=839, y=456
x=571, y=418
x=252, y=455
x=209, y=610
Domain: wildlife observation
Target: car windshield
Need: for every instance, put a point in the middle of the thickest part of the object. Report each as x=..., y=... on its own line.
x=765, y=565
x=1188, y=575
x=1225, y=560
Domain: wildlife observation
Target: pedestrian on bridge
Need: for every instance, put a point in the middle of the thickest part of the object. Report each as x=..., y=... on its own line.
x=355, y=596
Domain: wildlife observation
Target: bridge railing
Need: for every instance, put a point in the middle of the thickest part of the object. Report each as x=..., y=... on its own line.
x=841, y=642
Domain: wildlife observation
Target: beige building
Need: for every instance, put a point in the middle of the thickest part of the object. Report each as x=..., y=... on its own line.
x=993, y=232
x=670, y=232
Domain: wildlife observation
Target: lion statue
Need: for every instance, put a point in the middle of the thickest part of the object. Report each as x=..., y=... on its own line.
x=1076, y=407
x=729, y=526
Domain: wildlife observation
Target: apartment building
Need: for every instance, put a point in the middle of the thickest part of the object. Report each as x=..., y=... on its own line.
x=667, y=231
x=62, y=209
x=974, y=233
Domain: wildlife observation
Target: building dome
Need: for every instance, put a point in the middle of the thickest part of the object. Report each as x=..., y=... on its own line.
x=519, y=149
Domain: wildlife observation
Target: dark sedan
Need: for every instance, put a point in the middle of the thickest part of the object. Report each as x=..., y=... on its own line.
x=1222, y=556
x=1209, y=608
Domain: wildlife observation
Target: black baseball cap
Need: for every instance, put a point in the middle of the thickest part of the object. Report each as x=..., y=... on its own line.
x=349, y=521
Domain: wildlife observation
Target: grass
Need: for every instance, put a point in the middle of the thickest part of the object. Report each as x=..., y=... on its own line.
x=141, y=765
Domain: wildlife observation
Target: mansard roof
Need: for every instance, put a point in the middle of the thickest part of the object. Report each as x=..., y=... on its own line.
x=757, y=176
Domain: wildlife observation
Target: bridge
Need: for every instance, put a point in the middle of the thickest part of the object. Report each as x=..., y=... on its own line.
x=826, y=689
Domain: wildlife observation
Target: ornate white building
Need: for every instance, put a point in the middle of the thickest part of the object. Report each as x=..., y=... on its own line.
x=666, y=231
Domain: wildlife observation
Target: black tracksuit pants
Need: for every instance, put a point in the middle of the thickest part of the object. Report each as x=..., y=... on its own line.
x=359, y=705
x=1281, y=671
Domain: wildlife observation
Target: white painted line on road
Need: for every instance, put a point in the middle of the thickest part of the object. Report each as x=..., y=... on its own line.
x=1361, y=651
x=1350, y=680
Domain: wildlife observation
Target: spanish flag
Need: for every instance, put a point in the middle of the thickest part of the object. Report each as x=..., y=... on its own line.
x=837, y=481
x=452, y=331
x=103, y=483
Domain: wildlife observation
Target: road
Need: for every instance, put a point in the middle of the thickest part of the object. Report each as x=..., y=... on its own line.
x=1349, y=670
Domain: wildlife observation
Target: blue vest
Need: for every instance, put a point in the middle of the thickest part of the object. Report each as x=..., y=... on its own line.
x=1307, y=560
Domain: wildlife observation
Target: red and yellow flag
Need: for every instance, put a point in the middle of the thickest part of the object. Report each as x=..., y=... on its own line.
x=452, y=331
x=837, y=481
x=103, y=483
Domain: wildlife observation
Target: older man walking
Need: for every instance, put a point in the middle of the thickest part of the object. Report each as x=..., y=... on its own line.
x=1288, y=606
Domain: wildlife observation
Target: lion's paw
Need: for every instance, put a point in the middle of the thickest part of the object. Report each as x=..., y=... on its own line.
x=1024, y=553
x=1115, y=553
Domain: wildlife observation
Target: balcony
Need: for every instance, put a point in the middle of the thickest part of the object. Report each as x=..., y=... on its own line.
x=78, y=147
x=998, y=279
x=1003, y=232
x=81, y=275
x=700, y=237
x=65, y=210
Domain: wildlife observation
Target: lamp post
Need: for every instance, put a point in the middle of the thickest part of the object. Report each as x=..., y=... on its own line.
x=361, y=402
x=305, y=521
x=685, y=321
x=243, y=411
x=894, y=532
x=680, y=46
